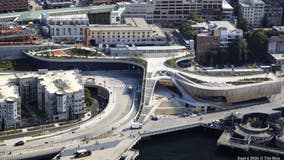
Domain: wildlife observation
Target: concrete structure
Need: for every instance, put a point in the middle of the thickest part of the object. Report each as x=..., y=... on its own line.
x=252, y=11
x=69, y=28
x=135, y=31
x=59, y=3
x=97, y=2
x=224, y=93
x=13, y=5
x=116, y=15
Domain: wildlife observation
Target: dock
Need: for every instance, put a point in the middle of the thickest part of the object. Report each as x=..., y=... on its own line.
x=226, y=140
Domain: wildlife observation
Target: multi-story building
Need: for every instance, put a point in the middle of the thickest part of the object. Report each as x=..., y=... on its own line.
x=139, y=9
x=272, y=13
x=60, y=94
x=276, y=50
x=214, y=34
x=135, y=31
x=13, y=5
x=252, y=11
x=176, y=12
x=59, y=3
x=227, y=11
x=10, y=105
x=68, y=28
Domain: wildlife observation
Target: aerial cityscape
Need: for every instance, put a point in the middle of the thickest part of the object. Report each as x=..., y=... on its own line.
x=141, y=79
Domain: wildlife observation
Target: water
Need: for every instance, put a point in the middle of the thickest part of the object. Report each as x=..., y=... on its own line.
x=191, y=144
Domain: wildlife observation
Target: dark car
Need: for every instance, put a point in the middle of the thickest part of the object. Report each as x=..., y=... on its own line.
x=20, y=143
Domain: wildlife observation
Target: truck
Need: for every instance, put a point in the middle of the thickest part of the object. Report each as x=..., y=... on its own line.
x=136, y=125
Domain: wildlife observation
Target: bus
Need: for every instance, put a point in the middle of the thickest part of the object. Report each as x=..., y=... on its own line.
x=82, y=153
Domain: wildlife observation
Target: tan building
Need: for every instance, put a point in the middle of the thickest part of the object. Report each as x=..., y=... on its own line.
x=13, y=5
x=135, y=31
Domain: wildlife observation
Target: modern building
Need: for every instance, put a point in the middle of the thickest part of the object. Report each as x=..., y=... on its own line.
x=7, y=6
x=213, y=35
x=69, y=28
x=59, y=3
x=135, y=31
x=252, y=11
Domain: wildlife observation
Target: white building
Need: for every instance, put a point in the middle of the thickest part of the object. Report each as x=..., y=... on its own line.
x=10, y=105
x=68, y=28
x=116, y=15
x=227, y=10
x=252, y=11
x=135, y=31
x=224, y=30
x=60, y=94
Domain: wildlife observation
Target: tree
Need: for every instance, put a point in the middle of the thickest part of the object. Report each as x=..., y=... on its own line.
x=243, y=24
x=194, y=17
x=187, y=31
x=3, y=124
x=238, y=51
x=257, y=45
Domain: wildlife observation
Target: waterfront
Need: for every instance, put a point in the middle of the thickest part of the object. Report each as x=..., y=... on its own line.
x=192, y=144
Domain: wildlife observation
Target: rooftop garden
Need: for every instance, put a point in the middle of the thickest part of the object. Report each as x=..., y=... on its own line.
x=249, y=81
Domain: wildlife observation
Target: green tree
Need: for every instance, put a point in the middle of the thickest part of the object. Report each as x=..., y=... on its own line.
x=88, y=98
x=187, y=31
x=257, y=45
x=244, y=25
x=238, y=51
x=194, y=17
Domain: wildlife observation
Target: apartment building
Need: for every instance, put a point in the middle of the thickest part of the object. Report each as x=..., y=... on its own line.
x=10, y=105
x=68, y=28
x=252, y=11
x=60, y=94
x=135, y=31
x=7, y=6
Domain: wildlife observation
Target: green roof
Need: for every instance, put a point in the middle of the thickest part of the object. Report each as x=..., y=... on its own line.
x=35, y=15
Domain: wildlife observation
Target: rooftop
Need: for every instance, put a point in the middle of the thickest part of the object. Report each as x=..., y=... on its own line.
x=250, y=3
x=226, y=5
x=34, y=15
